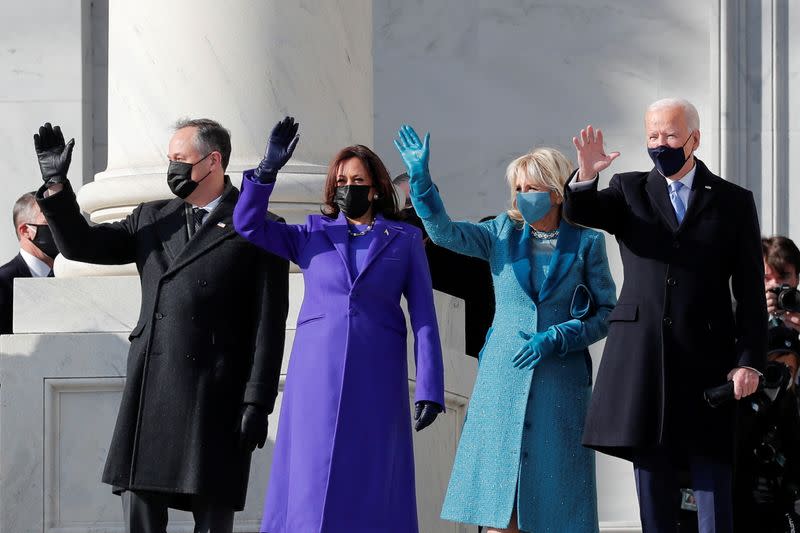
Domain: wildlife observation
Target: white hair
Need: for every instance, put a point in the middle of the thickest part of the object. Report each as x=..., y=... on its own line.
x=689, y=110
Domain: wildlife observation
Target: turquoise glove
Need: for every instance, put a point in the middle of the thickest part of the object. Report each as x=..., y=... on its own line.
x=415, y=154
x=542, y=344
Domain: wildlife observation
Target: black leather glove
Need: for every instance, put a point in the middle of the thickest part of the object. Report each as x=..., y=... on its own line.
x=54, y=156
x=281, y=145
x=253, y=430
x=426, y=413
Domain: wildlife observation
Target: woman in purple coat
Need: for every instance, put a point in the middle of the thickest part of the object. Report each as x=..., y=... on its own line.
x=343, y=459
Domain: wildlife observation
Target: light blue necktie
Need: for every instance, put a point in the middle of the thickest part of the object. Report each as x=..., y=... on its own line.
x=677, y=203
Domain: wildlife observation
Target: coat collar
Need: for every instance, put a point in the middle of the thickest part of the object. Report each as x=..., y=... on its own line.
x=217, y=227
x=656, y=189
x=700, y=195
x=564, y=255
x=171, y=227
x=336, y=230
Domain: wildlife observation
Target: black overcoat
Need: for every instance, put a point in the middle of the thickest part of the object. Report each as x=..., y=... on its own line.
x=209, y=339
x=675, y=330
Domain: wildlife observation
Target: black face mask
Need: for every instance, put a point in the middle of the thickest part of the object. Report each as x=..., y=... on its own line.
x=668, y=160
x=353, y=200
x=179, y=177
x=44, y=240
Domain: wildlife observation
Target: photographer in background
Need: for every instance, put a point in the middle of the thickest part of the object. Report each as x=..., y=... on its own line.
x=781, y=267
x=767, y=485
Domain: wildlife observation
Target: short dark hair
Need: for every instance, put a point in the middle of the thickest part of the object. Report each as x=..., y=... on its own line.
x=209, y=137
x=780, y=252
x=384, y=203
x=25, y=209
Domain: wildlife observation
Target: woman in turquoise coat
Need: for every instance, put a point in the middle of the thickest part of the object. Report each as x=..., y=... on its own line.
x=520, y=465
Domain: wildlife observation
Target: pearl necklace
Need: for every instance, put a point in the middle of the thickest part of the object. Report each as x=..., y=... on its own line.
x=360, y=233
x=544, y=235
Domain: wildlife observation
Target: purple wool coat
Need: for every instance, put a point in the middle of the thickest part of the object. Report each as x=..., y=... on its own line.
x=343, y=457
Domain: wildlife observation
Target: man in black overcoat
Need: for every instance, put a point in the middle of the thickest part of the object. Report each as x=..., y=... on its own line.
x=690, y=245
x=205, y=355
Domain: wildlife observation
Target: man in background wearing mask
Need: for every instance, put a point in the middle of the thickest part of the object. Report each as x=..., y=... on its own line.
x=687, y=237
x=37, y=250
x=205, y=355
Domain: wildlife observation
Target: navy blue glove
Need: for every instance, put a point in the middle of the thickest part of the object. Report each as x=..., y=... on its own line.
x=542, y=344
x=415, y=154
x=281, y=145
x=253, y=429
x=425, y=413
x=54, y=155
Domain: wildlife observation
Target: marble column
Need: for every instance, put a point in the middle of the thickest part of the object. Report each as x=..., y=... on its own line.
x=246, y=65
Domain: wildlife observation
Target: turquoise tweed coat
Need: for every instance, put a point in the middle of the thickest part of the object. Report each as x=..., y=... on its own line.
x=521, y=442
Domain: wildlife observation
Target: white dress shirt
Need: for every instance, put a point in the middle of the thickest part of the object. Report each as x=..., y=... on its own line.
x=209, y=207
x=38, y=268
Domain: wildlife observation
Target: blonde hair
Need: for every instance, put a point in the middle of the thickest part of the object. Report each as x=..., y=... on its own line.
x=546, y=168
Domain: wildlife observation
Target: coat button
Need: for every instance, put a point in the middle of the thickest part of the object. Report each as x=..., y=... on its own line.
x=159, y=316
x=676, y=244
x=667, y=321
x=202, y=282
x=671, y=282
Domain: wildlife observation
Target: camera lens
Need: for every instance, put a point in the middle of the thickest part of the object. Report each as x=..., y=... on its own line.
x=789, y=299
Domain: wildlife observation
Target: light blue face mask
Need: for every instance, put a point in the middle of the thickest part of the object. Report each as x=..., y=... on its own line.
x=533, y=205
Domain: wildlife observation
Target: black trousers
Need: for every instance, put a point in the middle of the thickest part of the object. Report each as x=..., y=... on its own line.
x=146, y=512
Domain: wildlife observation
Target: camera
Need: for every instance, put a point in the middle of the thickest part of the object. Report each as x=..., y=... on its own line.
x=788, y=298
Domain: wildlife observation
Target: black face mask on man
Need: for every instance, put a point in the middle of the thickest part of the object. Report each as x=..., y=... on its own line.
x=668, y=160
x=179, y=177
x=353, y=200
x=44, y=240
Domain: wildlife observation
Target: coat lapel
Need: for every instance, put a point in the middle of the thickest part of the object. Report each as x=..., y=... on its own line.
x=336, y=230
x=569, y=238
x=521, y=259
x=701, y=194
x=217, y=227
x=383, y=232
x=656, y=187
x=171, y=227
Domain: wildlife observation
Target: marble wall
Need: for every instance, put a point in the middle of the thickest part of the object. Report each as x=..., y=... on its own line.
x=43, y=68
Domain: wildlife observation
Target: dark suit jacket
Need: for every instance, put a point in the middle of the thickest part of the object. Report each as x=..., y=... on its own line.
x=209, y=339
x=16, y=268
x=674, y=331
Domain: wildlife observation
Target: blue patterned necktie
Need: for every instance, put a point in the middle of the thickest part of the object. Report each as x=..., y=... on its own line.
x=677, y=203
